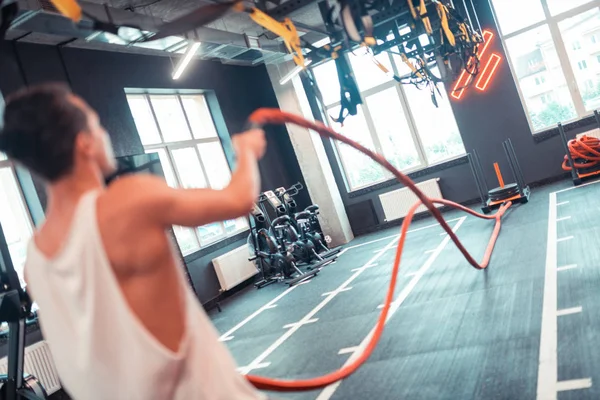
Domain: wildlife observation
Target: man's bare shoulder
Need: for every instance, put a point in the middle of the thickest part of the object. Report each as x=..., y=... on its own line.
x=141, y=185
x=137, y=192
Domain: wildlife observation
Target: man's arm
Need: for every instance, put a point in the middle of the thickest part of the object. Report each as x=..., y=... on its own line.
x=196, y=207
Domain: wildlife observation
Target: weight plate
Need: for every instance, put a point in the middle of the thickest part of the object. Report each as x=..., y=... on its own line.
x=501, y=193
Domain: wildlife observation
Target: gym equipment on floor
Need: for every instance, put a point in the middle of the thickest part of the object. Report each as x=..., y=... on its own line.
x=284, y=229
x=275, y=263
x=306, y=222
x=15, y=310
x=582, y=155
x=517, y=192
x=262, y=117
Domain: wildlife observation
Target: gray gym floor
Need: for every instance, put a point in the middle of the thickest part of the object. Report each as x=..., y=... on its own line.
x=455, y=332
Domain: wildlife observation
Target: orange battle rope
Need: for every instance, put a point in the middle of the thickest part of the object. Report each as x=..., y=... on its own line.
x=585, y=149
x=266, y=116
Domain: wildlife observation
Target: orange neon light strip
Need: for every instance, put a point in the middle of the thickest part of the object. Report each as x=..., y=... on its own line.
x=488, y=72
x=461, y=82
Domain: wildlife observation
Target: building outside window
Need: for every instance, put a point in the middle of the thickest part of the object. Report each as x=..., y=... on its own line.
x=398, y=121
x=180, y=129
x=14, y=216
x=557, y=39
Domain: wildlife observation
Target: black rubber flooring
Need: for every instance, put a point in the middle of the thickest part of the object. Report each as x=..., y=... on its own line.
x=458, y=333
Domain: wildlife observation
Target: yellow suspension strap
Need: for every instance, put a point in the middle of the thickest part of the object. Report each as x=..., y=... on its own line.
x=410, y=65
x=286, y=30
x=443, y=14
x=422, y=13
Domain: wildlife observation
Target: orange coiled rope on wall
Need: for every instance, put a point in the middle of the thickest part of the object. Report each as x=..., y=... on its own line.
x=585, y=152
x=266, y=116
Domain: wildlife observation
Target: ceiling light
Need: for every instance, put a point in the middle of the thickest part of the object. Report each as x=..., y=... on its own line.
x=185, y=60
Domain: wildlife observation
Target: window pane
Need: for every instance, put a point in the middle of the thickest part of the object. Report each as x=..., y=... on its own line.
x=210, y=233
x=186, y=239
x=14, y=220
x=189, y=168
x=360, y=170
x=533, y=56
x=328, y=82
x=236, y=225
x=584, y=31
x=144, y=120
x=513, y=15
x=393, y=129
x=367, y=74
x=166, y=166
x=199, y=116
x=215, y=163
x=170, y=118
x=436, y=126
x=559, y=6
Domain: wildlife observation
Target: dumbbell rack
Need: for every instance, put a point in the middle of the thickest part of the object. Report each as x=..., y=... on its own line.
x=517, y=192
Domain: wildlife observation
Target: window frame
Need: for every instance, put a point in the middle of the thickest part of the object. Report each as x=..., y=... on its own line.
x=414, y=131
x=552, y=21
x=8, y=164
x=170, y=146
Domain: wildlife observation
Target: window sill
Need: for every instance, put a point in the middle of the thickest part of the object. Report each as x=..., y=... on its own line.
x=459, y=160
x=215, y=246
x=550, y=133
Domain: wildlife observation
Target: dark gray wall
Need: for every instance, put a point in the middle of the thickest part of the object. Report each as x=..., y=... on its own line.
x=101, y=77
x=485, y=120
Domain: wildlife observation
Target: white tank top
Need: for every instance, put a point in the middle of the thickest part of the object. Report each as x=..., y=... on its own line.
x=101, y=350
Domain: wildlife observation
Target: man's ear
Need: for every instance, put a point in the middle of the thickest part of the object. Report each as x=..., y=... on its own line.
x=84, y=144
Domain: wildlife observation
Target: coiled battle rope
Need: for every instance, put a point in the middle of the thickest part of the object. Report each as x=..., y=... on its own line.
x=585, y=152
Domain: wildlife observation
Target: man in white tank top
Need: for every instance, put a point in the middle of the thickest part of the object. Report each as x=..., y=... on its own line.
x=119, y=318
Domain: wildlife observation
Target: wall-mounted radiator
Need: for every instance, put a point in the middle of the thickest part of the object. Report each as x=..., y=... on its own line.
x=397, y=203
x=234, y=268
x=39, y=363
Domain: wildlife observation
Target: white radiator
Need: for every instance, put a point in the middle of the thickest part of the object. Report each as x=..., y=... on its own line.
x=397, y=203
x=234, y=268
x=39, y=363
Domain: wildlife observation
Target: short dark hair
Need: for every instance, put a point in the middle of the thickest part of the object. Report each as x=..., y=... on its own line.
x=41, y=124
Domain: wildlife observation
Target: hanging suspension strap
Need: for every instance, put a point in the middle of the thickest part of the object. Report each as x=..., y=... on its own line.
x=420, y=12
x=446, y=32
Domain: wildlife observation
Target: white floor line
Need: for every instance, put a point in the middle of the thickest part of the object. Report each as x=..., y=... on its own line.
x=575, y=384
x=377, y=251
x=430, y=251
x=412, y=273
x=348, y=350
x=548, y=364
x=577, y=187
x=563, y=218
x=329, y=391
x=389, y=237
x=562, y=203
x=365, y=267
x=341, y=252
x=227, y=335
x=336, y=292
x=300, y=323
x=564, y=239
x=258, y=360
x=569, y=311
x=245, y=370
x=566, y=267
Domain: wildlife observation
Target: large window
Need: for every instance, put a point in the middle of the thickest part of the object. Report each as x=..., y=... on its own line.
x=554, y=52
x=180, y=129
x=398, y=121
x=14, y=217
